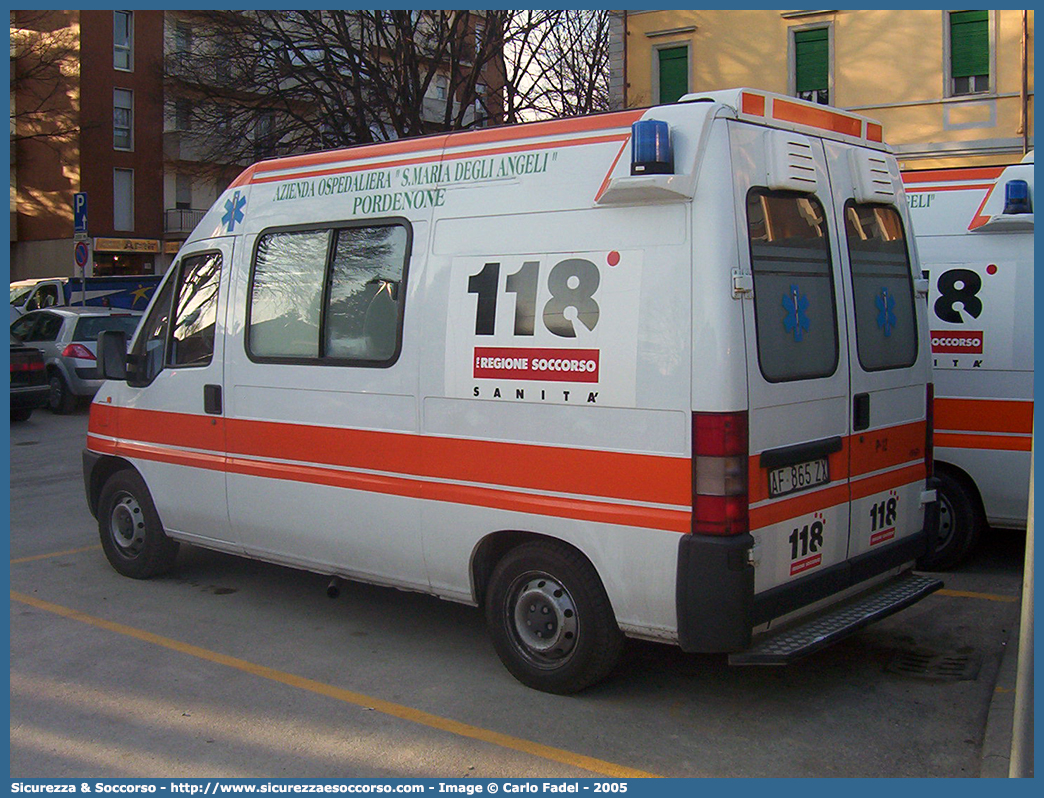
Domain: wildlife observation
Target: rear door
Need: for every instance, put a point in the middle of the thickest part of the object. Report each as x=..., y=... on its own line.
x=889, y=363
x=798, y=357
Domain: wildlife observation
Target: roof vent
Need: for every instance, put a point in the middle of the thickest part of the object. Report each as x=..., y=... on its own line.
x=873, y=176
x=791, y=165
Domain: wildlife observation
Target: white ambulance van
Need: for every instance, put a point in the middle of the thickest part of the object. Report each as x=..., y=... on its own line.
x=974, y=232
x=659, y=373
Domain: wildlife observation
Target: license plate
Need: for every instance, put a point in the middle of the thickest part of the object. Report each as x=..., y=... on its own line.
x=801, y=476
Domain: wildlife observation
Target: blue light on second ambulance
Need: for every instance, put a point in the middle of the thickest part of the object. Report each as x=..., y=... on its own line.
x=1016, y=197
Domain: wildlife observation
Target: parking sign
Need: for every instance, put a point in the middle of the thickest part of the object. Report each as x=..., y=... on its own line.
x=80, y=212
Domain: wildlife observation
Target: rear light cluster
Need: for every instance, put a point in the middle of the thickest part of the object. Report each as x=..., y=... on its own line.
x=27, y=365
x=79, y=351
x=719, y=481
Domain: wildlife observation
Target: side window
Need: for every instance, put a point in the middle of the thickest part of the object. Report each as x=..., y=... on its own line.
x=882, y=284
x=195, y=315
x=146, y=358
x=794, y=307
x=363, y=309
x=22, y=328
x=286, y=294
x=47, y=328
x=331, y=296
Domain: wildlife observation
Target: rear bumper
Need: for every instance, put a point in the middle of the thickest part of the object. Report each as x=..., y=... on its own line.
x=716, y=604
x=29, y=397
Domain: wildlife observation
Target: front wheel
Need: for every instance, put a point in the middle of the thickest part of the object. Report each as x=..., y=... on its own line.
x=960, y=522
x=131, y=533
x=550, y=619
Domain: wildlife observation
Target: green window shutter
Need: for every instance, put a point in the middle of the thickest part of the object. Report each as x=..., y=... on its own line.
x=674, y=73
x=969, y=43
x=811, y=59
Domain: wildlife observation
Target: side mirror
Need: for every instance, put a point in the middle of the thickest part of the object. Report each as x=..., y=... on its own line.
x=112, y=355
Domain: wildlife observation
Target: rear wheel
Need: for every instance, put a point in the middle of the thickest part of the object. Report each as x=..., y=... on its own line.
x=550, y=619
x=21, y=414
x=60, y=400
x=960, y=523
x=131, y=533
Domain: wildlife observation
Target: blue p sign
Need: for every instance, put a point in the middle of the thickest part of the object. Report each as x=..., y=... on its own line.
x=80, y=212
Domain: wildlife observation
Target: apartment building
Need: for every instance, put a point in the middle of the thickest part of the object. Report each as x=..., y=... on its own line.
x=952, y=88
x=87, y=116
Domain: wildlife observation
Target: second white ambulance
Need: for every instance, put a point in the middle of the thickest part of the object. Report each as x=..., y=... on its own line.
x=660, y=373
x=974, y=233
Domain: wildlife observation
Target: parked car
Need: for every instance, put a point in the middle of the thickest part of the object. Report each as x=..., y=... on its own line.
x=67, y=337
x=29, y=388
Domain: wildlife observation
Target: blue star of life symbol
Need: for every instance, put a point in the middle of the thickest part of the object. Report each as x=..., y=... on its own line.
x=886, y=319
x=796, y=320
x=233, y=211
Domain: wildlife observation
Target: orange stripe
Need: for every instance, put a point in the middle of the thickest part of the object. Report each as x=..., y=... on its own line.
x=817, y=117
x=946, y=175
x=955, y=187
x=441, y=157
x=802, y=504
x=875, y=450
x=953, y=440
x=978, y=220
x=436, y=144
x=984, y=415
x=554, y=506
x=609, y=174
x=654, y=479
x=868, y=486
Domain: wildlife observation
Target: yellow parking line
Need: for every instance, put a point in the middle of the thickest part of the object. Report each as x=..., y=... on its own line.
x=983, y=596
x=358, y=699
x=54, y=554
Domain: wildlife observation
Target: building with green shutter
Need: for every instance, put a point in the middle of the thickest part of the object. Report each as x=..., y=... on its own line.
x=952, y=88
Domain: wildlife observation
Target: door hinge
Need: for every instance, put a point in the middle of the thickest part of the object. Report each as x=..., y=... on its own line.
x=742, y=284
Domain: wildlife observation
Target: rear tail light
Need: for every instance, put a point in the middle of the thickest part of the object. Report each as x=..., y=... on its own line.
x=78, y=350
x=929, y=432
x=27, y=365
x=719, y=480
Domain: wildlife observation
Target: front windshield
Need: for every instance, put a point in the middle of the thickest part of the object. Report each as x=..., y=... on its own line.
x=20, y=293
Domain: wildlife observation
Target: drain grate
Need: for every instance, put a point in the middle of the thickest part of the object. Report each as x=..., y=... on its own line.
x=932, y=665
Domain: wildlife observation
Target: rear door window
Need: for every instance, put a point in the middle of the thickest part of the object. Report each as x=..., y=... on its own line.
x=882, y=285
x=795, y=312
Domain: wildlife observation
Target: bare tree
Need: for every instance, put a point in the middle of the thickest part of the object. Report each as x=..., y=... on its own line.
x=42, y=45
x=261, y=83
x=267, y=82
x=556, y=64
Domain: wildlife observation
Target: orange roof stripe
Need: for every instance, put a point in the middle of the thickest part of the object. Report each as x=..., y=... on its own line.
x=947, y=175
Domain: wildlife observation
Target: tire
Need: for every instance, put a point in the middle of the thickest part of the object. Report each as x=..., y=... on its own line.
x=21, y=414
x=131, y=533
x=60, y=400
x=960, y=524
x=579, y=643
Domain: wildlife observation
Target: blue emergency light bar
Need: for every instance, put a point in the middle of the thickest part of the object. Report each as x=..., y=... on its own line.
x=651, y=152
x=1016, y=197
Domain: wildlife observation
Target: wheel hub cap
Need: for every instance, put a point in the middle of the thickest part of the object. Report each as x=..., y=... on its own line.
x=127, y=525
x=545, y=618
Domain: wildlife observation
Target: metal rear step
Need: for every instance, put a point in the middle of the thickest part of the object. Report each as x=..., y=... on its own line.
x=837, y=622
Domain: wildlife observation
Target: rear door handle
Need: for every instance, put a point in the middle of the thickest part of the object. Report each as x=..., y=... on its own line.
x=212, y=399
x=860, y=411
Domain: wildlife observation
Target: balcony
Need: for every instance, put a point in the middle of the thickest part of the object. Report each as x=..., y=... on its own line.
x=181, y=220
